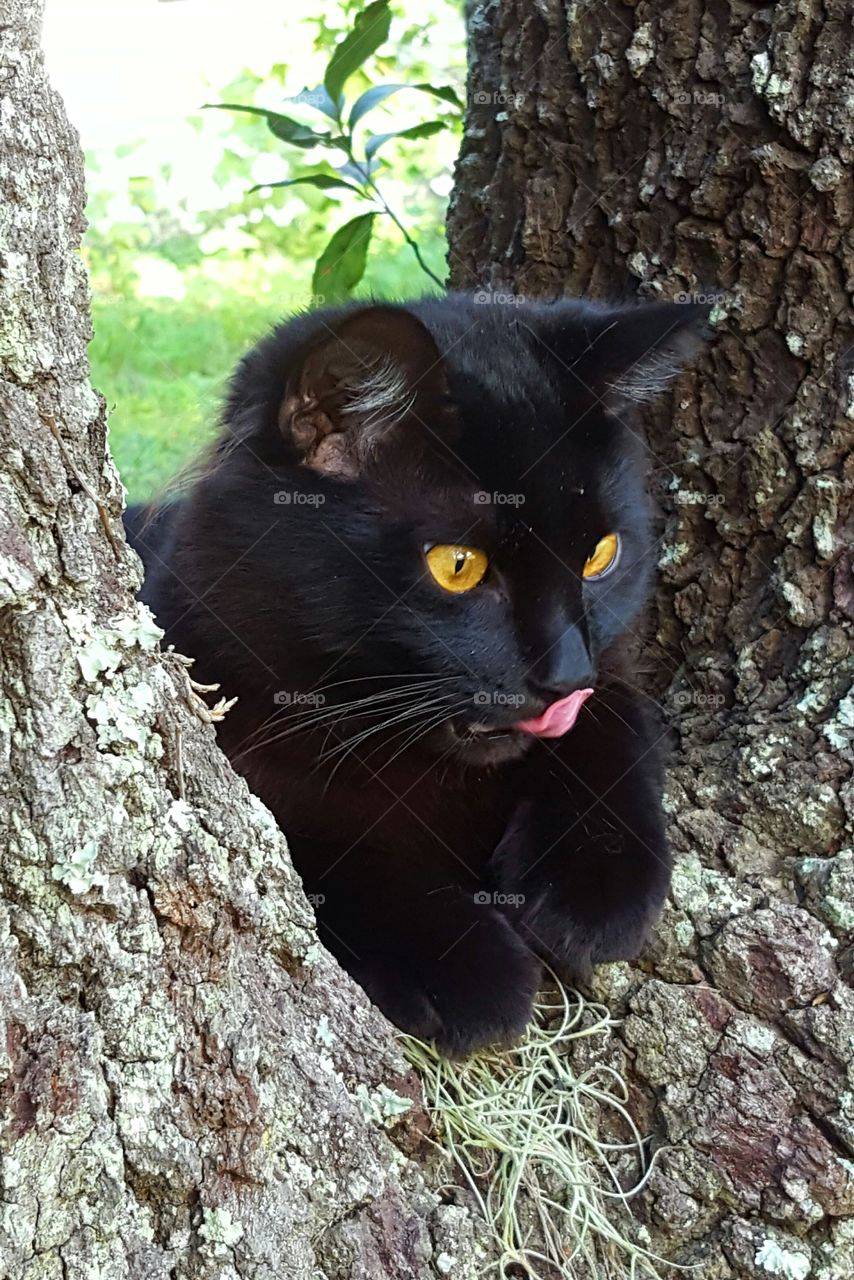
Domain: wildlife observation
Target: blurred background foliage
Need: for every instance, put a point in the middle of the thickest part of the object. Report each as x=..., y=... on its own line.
x=193, y=254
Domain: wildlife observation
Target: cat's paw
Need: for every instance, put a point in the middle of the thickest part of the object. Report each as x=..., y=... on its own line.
x=571, y=940
x=580, y=907
x=479, y=991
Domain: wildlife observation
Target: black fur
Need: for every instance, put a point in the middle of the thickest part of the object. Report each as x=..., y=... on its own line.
x=443, y=860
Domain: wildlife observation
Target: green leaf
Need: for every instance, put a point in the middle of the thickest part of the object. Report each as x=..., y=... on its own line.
x=370, y=30
x=373, y=97
x=318, y=98
x=356, y=170
x=323, y=182
x=443, y=91
x=342, y=264
x=425, y=130
x=299, y=135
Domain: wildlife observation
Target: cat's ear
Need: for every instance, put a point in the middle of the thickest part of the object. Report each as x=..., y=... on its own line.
x=630, y=355
x=361, y=385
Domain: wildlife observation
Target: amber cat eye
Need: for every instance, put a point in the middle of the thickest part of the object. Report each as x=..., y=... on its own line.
x=604, y=556
x=456, y=568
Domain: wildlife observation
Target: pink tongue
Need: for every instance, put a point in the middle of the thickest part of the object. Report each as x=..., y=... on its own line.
x=559, y=718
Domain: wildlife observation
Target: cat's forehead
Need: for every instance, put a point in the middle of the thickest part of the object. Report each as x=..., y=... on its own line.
x=499, y=356
x=509, y=495
x=517, y=424
x=517, y=402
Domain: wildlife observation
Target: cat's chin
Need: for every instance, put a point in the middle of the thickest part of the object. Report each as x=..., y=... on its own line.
x=482, y=747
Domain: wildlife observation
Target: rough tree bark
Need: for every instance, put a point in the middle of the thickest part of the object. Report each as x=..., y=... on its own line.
x=189, y=1086
x=673, y=149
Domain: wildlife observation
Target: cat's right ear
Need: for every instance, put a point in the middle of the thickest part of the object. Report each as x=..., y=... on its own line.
x=374, y=379
x=627, y=355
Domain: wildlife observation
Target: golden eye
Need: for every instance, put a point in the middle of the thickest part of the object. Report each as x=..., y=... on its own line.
x=604, y=556
x=456, y=568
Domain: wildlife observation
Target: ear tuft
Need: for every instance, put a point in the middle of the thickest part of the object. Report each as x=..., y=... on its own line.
x=653, y=372
x=650, y=346
x=379, y=398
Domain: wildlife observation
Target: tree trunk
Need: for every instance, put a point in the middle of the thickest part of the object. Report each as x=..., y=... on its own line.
x=673, y=150
x=188, y=1082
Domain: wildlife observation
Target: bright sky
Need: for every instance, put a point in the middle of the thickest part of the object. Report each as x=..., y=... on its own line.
x=131, y=68
x=131, y=72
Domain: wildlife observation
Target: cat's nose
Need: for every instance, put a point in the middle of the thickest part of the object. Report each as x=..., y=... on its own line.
x=565, y=667
x=553, y=692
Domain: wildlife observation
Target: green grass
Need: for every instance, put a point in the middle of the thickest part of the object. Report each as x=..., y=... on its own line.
x=162, y=367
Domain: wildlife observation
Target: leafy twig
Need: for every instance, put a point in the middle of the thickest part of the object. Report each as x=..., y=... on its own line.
x=342, y=264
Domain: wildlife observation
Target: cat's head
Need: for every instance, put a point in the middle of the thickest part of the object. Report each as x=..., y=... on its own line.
x=445, y=496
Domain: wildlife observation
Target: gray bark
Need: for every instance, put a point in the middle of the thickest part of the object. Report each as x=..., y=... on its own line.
x=186, y=1077
x=616, y=148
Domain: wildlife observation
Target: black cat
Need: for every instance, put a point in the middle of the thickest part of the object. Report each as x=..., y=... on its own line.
x=415, y=551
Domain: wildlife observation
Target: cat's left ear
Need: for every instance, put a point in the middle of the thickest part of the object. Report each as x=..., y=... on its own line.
x=362, y=385
x=630, y=355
